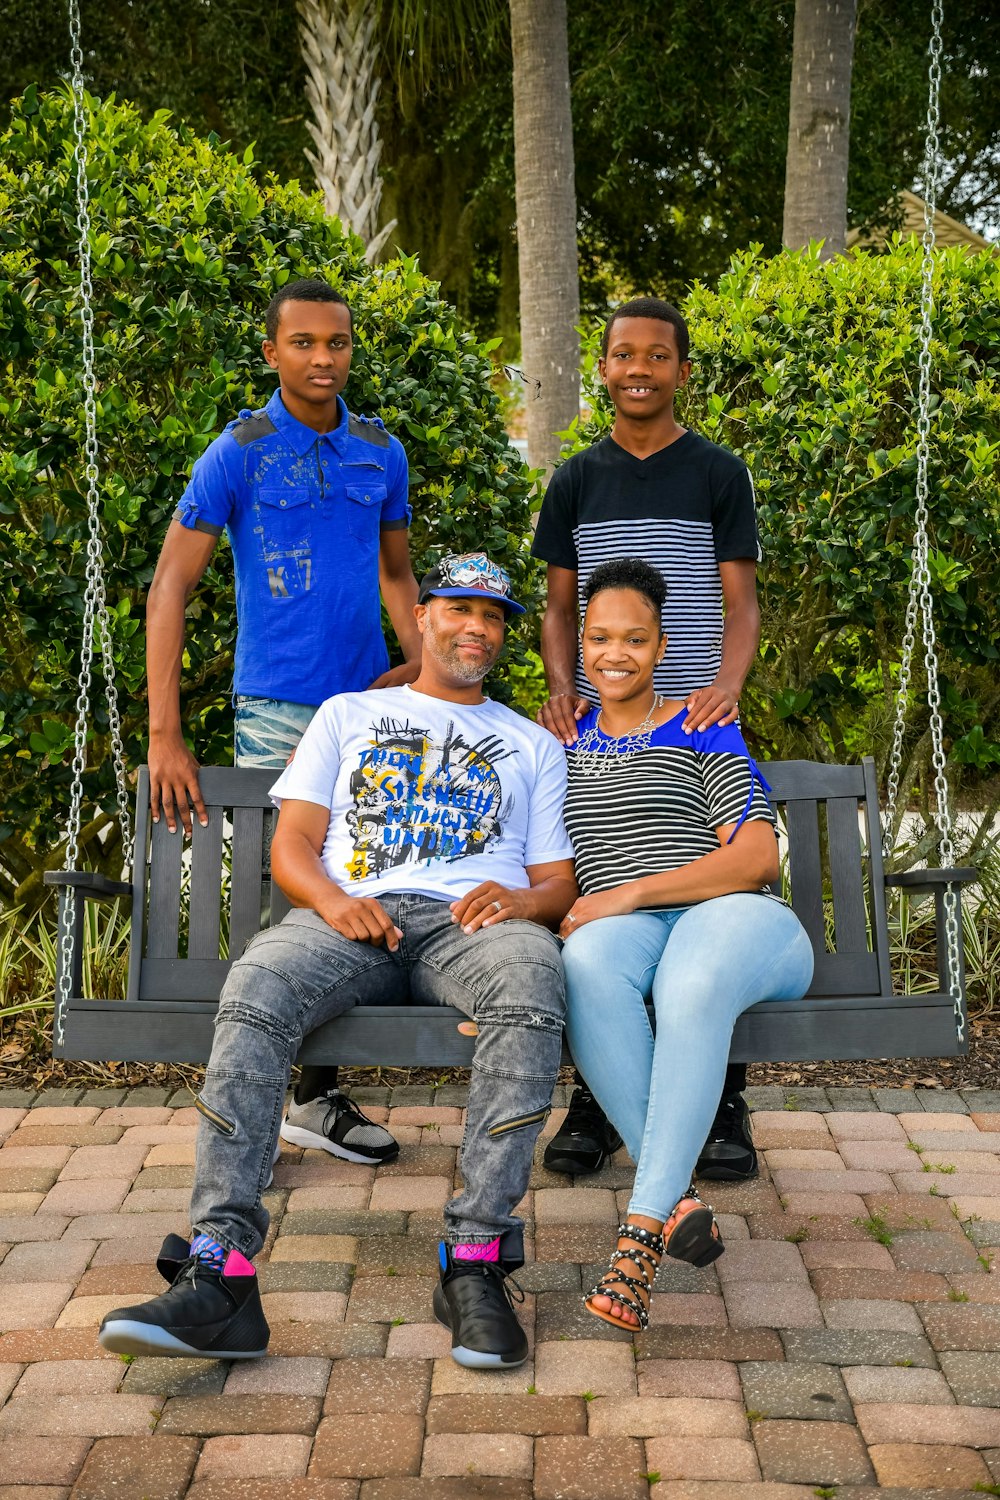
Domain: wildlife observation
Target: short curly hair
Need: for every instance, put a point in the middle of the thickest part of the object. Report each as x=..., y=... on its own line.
x=650, y=307
x=308, y=290
x=628, y=573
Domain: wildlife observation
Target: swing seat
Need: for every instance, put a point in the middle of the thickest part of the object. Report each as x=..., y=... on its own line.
x=194, y=903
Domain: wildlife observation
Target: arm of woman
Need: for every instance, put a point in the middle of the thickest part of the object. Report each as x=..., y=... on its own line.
x=747, y=863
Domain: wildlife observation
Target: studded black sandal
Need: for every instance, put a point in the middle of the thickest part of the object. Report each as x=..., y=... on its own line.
x=691, y=1233
x=625, y=1291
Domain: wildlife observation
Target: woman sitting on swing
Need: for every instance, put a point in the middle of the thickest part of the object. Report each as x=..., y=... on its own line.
x=674, y=841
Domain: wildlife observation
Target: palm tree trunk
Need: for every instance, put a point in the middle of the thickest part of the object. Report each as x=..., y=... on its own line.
x=342, y=84
x=546, y=222
x=819, y=125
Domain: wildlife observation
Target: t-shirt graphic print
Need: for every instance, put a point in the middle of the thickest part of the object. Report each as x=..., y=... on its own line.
x=428, y=796
x=419, y=797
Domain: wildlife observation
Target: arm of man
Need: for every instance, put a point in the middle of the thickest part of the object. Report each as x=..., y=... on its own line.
x=719, y=703
x=560, y=643
x=399, y=593
x=173, y=770
x=748, y=863
x=298, y=868
x=551, y=893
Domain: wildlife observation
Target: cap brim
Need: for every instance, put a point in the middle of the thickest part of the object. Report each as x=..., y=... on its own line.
x=460, y=593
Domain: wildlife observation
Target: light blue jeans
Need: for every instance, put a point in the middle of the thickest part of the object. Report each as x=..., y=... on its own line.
x=267, y=731
x=703, y=966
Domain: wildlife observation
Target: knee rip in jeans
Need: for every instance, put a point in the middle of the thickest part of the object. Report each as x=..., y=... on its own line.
x=240, y=1013
x=519, y=1122
x=224, y=1126
x=527, y=1020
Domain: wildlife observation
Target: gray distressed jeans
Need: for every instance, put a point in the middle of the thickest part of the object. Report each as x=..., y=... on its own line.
x=295, y=976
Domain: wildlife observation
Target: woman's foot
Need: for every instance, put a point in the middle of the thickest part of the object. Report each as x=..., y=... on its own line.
x=691, y=1233
x=621, y=1297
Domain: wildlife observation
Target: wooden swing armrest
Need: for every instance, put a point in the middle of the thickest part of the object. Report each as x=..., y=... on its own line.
x=90, y=883
x=931, y=879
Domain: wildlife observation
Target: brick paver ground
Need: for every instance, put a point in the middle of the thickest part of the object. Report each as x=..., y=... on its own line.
x=848, y=1342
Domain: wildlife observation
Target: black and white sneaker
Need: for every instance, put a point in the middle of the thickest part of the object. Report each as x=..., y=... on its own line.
x=207, y=1313
x=584, y=1140
x=474, y=1301
x=728, y=1155
x=333, y=1123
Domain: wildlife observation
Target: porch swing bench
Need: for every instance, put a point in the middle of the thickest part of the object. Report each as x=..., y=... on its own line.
x=179, y=916
x=191, y=916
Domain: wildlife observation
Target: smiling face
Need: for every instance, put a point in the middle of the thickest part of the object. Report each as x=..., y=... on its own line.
x=312, y=355
x=642, y=369
x=462, y=638
x=622, y=643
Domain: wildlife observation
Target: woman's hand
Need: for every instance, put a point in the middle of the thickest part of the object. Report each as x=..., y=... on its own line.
x=615, y=903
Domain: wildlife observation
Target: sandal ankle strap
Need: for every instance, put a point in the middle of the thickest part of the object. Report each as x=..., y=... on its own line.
x=647, y=1237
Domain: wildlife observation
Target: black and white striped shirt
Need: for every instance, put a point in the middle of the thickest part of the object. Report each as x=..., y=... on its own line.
x=684, y=510
x=658, y=809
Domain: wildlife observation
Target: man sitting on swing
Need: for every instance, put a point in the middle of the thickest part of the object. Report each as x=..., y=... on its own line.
x=421, y=838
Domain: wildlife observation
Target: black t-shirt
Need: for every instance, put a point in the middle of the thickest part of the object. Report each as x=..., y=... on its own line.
x=685, y=510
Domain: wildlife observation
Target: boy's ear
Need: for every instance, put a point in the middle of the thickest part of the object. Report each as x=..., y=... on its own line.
x=602, y=369
x=270, y=353
x=685, y=372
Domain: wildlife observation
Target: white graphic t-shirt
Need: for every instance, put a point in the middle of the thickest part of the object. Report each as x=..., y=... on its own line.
x=429, y=796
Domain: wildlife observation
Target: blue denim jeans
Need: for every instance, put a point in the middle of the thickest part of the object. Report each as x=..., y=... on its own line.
x=297, y=975
x=267, y=731
x=703, y=966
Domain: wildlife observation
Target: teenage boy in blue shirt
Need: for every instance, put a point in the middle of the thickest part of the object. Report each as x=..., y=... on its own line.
x=314, y=502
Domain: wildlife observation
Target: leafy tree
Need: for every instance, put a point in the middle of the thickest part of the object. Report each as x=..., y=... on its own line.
x=679, y=128
x=188, y=247
x=809, y=370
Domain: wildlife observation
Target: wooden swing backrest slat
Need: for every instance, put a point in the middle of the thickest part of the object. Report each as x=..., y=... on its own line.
x=827, y=866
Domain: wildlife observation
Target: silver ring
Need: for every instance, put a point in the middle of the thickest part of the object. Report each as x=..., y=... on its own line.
x=498, y=905
x=570, y=917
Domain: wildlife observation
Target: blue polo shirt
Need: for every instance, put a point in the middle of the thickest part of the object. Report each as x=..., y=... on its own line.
x=303, y=512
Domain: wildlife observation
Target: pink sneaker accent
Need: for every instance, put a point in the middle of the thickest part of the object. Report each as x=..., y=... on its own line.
x=490, y=1251
x=237, y=1265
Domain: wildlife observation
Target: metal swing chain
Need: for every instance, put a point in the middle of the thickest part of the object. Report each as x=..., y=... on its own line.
x=919, y=604
x=94, y=598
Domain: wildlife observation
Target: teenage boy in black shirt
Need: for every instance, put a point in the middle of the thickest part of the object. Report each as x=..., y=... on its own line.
x=654, y=489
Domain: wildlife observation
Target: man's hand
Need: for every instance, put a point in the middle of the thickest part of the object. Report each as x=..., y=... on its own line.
x=360, y=918
x=490, y=903
x=714, y=704
x=560, y=715
x=173, y=783
x=615, y=903
x=397, y=676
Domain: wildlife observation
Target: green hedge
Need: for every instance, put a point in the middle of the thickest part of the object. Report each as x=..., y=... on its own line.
x=188, y=248
x=809, y=370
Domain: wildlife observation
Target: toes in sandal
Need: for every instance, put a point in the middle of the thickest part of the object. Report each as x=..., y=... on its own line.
x=691, y=1233
x=629, y=1292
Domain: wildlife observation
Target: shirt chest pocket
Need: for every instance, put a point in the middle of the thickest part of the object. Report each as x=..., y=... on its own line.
x=364, y=510
x=284, y=520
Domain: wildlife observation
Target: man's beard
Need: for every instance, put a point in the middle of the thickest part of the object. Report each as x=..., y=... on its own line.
x=448, y=655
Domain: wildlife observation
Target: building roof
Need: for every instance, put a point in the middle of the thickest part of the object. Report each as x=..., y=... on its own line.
x=947, y=231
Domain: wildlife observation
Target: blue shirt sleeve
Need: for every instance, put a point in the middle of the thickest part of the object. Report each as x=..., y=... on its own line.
x=397, y=486
x=208, y=501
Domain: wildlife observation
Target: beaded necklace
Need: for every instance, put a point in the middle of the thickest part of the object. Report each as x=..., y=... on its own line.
x=594, y=751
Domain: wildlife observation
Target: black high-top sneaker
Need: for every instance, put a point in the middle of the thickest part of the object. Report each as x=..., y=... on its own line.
x=208, y=1312
x=584, y=1140
x=728, y=1155
x=474, y=1300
